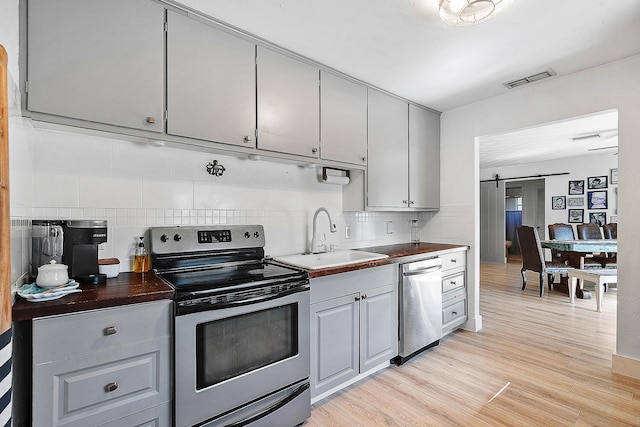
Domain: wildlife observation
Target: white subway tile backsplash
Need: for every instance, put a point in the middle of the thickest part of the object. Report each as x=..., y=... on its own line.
x=110, y=191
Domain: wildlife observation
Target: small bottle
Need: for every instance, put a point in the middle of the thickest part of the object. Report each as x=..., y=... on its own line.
x=415, y=231
x=142, y=261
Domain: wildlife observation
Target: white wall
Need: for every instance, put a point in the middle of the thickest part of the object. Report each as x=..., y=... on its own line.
x=579, y=168
x=611, y=86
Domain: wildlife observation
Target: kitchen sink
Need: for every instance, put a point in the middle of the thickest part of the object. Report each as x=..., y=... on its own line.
x=329, y=259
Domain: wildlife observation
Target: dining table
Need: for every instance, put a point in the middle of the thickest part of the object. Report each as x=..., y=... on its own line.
x=577, y=250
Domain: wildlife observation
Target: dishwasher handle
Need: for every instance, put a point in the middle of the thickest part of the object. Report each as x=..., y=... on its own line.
x=422, y=271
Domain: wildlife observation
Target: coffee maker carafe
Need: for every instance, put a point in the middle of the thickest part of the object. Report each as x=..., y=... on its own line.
x=81, y=240
x=46, y=243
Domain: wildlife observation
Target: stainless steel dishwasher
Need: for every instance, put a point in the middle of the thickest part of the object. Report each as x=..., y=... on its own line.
x=420, y=307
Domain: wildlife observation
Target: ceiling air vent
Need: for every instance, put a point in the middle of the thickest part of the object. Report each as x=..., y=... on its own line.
x=530, y=79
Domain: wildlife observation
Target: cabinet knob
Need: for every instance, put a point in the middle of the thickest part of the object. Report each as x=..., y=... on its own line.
x=357, y=298
x=111, y=387
x=364, y=296
x=111, y=330
x=314, y=150
x=364, y=159
x=248, y=138
x=405, y=202
x=411, y=202
x=151, y=120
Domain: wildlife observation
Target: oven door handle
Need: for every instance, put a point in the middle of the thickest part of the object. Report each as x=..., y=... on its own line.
x=262, y=298
x=186, y=307
x=273, y=408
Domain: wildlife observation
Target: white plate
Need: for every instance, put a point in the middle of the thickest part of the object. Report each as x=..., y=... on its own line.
x=48, y=297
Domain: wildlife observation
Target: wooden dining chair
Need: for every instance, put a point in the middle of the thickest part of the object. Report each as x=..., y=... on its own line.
x=610, y=230
x=533, y=258
x=590, y=231
x=560, y=231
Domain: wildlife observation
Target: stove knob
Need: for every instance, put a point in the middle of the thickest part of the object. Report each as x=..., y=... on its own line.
x=164, y=238
x=177, y=237
x=256, y=234
x=247, y=234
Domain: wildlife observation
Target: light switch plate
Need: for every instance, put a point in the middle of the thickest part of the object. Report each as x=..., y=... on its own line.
x=389, y=227
x=347, y=232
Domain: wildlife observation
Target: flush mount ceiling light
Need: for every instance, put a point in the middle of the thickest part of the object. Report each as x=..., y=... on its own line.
x=470, y=12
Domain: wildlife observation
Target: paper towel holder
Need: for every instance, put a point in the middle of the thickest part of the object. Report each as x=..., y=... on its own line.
x=338, y=176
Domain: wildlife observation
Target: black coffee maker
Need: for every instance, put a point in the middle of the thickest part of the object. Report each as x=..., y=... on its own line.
x=80, y=253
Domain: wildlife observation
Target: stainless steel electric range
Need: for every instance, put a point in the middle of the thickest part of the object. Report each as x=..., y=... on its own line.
x=241, y=336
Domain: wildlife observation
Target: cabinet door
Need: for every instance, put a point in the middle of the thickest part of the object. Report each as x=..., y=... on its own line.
x=388, y=150
x=424, y=159
x=211, y=88
x=343, y=128
x=97, y=61
x=334, y=342
x=378, y=326
x=288, y=104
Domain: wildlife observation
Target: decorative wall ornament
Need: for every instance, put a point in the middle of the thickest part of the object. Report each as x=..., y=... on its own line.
x=216, y=169
x=558, y=202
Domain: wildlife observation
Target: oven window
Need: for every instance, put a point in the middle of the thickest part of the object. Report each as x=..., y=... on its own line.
x=236, y=345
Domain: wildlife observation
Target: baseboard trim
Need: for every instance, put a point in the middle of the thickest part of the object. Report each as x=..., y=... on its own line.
x=473, y=324
x=626, y=366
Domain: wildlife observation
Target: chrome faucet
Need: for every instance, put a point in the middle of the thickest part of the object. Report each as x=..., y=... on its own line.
x=332, y=228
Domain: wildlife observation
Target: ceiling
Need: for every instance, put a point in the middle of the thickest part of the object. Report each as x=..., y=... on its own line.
x=403, y=47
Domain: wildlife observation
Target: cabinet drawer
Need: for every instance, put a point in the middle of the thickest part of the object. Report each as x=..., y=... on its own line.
x=452, y=296
x=453, y=282
x=95, y=388
x=454, y=260
x=453, y=312
x=58, y=337
x=157, y=416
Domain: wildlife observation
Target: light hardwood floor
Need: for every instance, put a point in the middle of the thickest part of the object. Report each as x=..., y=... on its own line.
x=536, y=362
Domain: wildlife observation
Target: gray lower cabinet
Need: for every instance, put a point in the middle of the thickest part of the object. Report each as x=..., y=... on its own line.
x=354, y=326
x=454, y=291
x=211, y=83
x=103, y=367
x=97, y=61
x=288, y=104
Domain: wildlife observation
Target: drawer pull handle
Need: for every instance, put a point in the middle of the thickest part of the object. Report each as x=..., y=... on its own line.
x=111, y=387
x=454, y=260
x=454, y=312
x=111, y=330
x=453, y=282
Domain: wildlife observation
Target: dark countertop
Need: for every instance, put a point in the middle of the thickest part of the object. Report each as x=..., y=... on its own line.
x=398, y=253
x=127, y=288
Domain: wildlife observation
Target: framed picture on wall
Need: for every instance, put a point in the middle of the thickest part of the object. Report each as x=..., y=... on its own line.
x=575, y=201
x=614, y=176
x=558, y=202
x=599, y=218
x=597, y=182
x=576, y=215
x=576, y=187
x=597, y=199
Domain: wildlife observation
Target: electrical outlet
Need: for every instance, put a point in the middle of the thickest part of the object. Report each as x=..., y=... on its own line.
x=334, y=227
x=347, y=232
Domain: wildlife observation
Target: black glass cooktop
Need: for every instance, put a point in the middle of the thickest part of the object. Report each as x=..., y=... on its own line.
x=230, y=276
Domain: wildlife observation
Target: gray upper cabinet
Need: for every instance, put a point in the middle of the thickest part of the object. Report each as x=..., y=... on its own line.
x=388, y=150
x=424, y=158
x=211, y=88
x=403, y=171
x=288, y=104
x=97, y=61
x=343, y=124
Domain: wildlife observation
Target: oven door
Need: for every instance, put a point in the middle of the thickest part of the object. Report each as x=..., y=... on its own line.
x=228, y=357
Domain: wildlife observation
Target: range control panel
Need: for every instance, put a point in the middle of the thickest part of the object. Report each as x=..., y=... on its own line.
x=165, y=240
x=210, y=236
